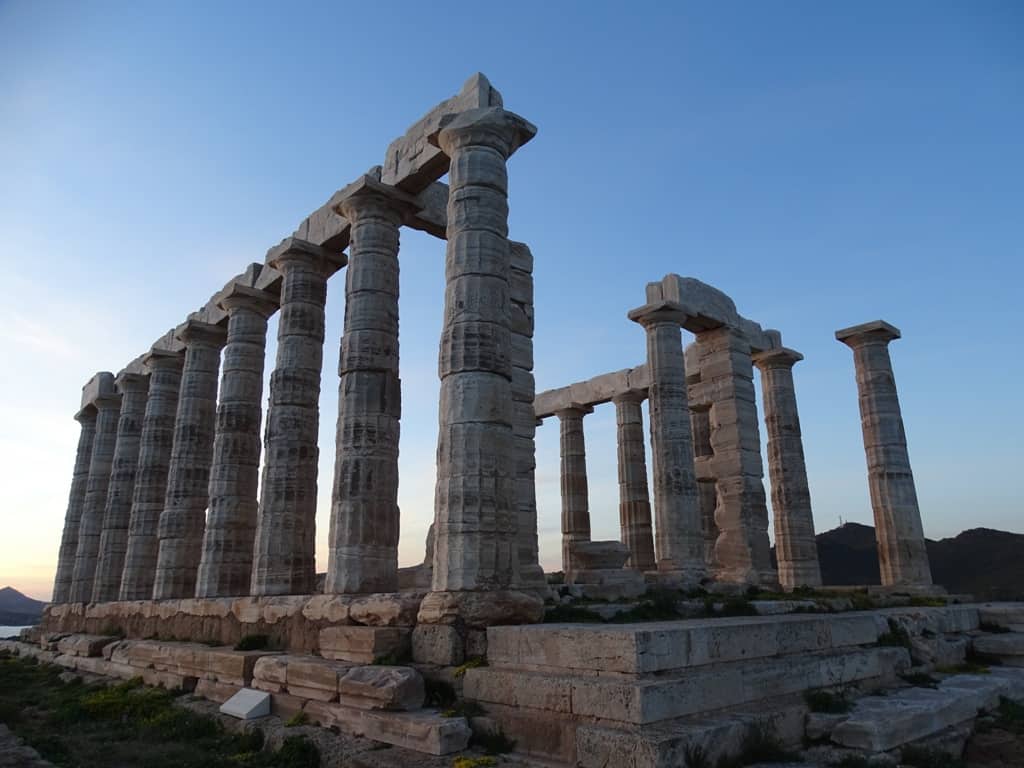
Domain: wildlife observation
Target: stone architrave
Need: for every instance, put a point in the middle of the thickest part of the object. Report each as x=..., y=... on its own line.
x=742, y=550
x=76, y=499
x=183, y=519
x=284, y=559
x=363, y=542
x=475, y=516
x=678, y=544
x=575, y=493
x=902, y=556
x=150, y=489
x=225, y=568
x=634, y=497
x=791, y=498
x=134, y=389
x=108, y=407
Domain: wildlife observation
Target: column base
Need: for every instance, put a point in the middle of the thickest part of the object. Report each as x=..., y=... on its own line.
x=685, y=579
x=532, y=580
x=481, y=609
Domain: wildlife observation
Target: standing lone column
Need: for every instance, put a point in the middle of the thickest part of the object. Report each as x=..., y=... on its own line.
x=902, y=556
x=76, y=499
x=475, y=514
x=114, y=538
x=575, y=494
x=363, y=544
x=285, y=559
x=225, y=569
x=634, y=497
x=791, y=499
x=108, y=407
x=151, y=473
x=678, y=544
x=183, y=519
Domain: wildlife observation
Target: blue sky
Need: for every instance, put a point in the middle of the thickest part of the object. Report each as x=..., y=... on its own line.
x=824, y=164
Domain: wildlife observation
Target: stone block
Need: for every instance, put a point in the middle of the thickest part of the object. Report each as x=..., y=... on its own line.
x=1006, y=615
x=333, y=609
x=386, y=610
x=438, y=644
x=214, y=691
x=424, y=731
x=600, y=555
x=382, y=687
x=285, y=706
x=84, y=645
x=247, y=704
x=314, y=678
x=271, y=670
x=1008, y=648
x=549, y=693
x=362, y=644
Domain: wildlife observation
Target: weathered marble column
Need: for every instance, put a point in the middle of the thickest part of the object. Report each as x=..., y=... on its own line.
x=76, y=500
x=108, y=406
x=678, y=545
x=795, y=546
x=634, y=497
x=742, y=551
x=363, y=543
x=575, y=494
x=183, y=520
x=225, y=568
x=475, y=515
x=134, y=389
x=707, y=496
x=150, y=489
x=285, y=559
x=902, y=555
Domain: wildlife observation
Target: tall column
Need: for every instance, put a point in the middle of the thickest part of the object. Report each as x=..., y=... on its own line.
x=225, y=568
x=475, y=514
x=707, y=496
x=183, y=520
x=363, y=554
x=575, y=494
x=76, y=499
x=150, y=490
x=742, y=550
x=114, y=537
x=108, y=407
x=285, y=559
x=902, y=555
x=634, y=497
x=677, y=544
x=795, y=546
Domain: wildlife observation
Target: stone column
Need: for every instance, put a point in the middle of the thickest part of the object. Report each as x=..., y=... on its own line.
x=707, y=497
x=114, y=537
x=677, y=544
x=76, y=499
x=902, y=555
x=285, y=557
x=151, y=473
x=225, y=568
x=183, y=520
x=475, y=515
x=795, y=546
x=634, y=497
x=363, y=543
x=108, y=407
x=742, y=550
x=575, y=494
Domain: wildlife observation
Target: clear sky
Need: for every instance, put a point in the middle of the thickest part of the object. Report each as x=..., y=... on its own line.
x=824, y=164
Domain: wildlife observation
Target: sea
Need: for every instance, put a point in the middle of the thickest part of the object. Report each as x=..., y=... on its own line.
x=6, y=632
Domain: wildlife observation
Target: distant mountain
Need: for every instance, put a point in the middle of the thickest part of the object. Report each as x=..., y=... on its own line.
x=982, y=562
x=16, y=608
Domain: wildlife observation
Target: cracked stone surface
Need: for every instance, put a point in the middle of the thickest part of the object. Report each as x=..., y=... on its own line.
x=76, y=499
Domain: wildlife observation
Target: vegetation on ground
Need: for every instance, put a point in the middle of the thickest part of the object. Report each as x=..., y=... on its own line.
x=296, y=720
x=473, y=663
x=966, y=668
x=897, y=636
x=929, y=757
x=473, y=762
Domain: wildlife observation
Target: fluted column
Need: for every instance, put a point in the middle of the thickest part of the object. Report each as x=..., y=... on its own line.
x=575, y=493
x=183, y=519
x=476, y=521
x=76, y=499
x=795, y=547
x=363, y=554
x=108, y=406
x=707, y=497
x=678, y=544
x=902, y=554
x=634, y=497
x=284, y=562
x=150, y=489
x=225, y=568
x=114, y=537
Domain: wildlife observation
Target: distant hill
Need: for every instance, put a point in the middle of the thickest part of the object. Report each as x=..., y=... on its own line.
x=16, y=608
x=982, y=562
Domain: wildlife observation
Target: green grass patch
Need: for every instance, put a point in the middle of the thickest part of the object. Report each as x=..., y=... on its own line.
x=296, y=720
x=473, y=762
x=967, y=668
x=476, y=661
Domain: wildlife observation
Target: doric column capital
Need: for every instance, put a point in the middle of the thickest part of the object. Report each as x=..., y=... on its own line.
x=240, y=296
x=368, y=196
x=198, y=332
x=293, y=250
x=127, y=382
x=781, y=357
x=158, y=358
x=630, y=396
x=574, y=410
x=86, y=416
x=660, y=313
x=492, y=127
x=108, y=401
x=877, y=331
